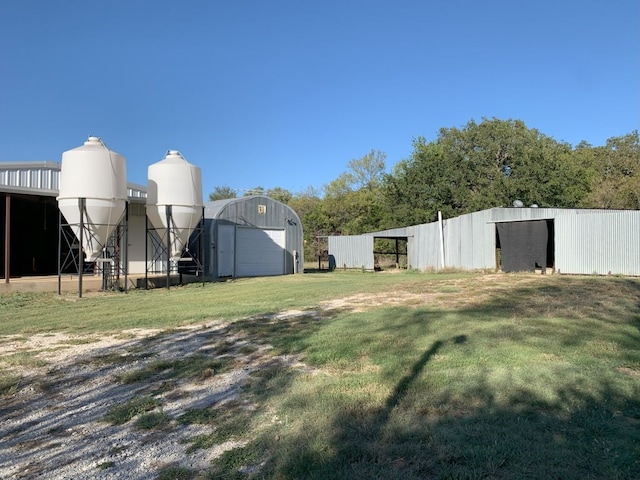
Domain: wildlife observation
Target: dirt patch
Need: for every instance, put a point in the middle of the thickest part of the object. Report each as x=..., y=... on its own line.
x=54, y=425
x=363, y=302
x=632, y=372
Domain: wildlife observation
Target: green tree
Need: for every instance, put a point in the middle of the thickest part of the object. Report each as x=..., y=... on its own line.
x=483, y=165
x=222, y=193
x=353, y=202
x=254, y=191
x=617, y=180
x=280, y=194
x=309, y=207
x=367, y=171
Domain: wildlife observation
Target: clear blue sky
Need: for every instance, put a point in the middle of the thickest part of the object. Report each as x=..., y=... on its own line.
x=284, y=93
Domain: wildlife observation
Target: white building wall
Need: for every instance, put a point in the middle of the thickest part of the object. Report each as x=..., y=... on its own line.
x=135, y=244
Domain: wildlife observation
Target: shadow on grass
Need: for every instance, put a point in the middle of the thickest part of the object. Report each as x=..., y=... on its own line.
x=587, y=307
x=425, y=430
x=583, y=434
x=421, y=429
x=316, y=270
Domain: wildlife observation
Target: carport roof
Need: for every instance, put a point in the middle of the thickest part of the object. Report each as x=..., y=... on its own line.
x=403, y=232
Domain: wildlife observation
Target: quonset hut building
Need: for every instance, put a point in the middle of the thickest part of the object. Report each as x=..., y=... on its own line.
x=251, y=236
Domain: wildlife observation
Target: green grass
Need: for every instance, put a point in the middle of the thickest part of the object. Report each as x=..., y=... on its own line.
x=153, y=420
x=189, y=304
x=193, y=367
x=124, y=412
x=466, y=376
x=22, y=359
x=106, y=465
x=201, y=416
x=175, y=472
x=233, y=422
x=509, y=385
x=9, y=384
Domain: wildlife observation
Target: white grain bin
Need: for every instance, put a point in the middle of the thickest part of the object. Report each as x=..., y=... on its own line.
x=98, y=175
x=174, y=181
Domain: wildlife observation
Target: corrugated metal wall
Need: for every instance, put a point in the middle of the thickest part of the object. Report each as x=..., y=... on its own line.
x=30, y=175
x=470, y=241
x=423, y=250
x=517, y=214
x=586, y=241
x=36, y=177
x=600, y=243
x=352, y=251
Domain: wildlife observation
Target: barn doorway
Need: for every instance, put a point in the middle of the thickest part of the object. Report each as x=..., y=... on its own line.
x=525, y=246
x=33, y=232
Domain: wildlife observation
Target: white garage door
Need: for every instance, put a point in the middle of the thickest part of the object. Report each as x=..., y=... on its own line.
x=259, y=252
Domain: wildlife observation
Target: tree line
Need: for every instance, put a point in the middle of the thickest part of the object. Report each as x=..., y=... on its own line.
x=481, y=165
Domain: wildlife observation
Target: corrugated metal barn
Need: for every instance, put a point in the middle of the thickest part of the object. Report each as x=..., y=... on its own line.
x=251, y=236
x=30, y=215
x=572, y=241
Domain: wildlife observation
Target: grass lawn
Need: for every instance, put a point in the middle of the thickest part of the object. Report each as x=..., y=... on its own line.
x=414, y=376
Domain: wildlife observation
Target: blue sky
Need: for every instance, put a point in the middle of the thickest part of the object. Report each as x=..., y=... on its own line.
x=284, y=93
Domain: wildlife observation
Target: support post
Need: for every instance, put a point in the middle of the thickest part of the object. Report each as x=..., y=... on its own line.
x=146, y=253
x=441, y=238
x=7, y=238
x=59, y=252
x=81, y=205
x=169, y=214
x=201, y=245
x=125, y=262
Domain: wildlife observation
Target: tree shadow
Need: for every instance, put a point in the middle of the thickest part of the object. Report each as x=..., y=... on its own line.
x=581, y=435
x=574, y=431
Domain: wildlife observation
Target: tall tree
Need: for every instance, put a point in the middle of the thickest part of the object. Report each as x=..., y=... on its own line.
x=617, y=184
x=280, y=194
x=353, y=201
x=222, y=193
x=366, y=171
x=254, y=191
x=483, y=165
x=308, y=205
x=414, y=191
